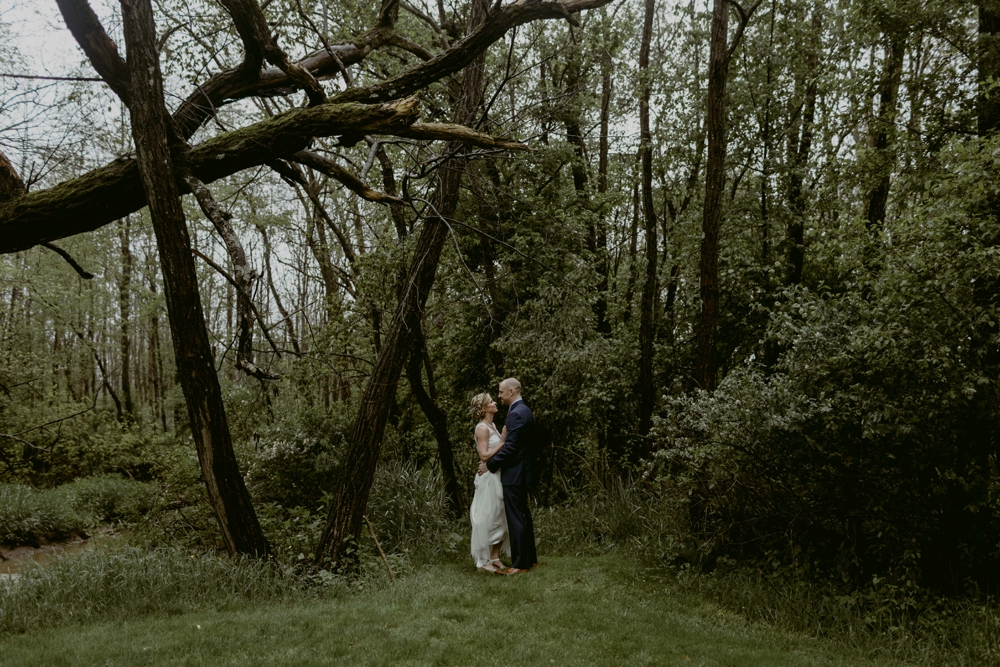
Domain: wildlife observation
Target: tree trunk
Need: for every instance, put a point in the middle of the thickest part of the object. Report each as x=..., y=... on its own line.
x=633, y=251
x=720, y=55
x=795, y=256
x=350, y=495
x=581, y=179
x=227, y=493
x=601, y=238
x=765, y=177
x=124, y=303
x=490, y=220
x=878, y=198
x=285, y=316
x=715, y=175
x=988, y=101
x=437, y=417
x=647, y=327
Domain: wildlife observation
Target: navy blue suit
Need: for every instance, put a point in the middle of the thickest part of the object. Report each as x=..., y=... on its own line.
x=518, y=468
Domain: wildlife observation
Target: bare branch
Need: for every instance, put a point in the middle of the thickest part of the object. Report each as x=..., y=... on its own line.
x=326, y=45
x=51, y=78
x=429, y=21
x=410, y=46
x=313, y=195
x=230, y=85
x=244, y=277
x=460, y=133
x=250, y=368
x=744, y=20
x=260, y=44
x=335, y=171
x=86, y=275
x=97, y=45
x=464, y=52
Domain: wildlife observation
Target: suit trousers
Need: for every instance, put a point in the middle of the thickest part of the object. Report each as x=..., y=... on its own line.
x=519, y=526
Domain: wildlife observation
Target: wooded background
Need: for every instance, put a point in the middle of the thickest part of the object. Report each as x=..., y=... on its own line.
x=741, y=256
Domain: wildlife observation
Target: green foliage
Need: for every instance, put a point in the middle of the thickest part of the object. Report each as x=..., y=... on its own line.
x=623, y=517
x=32, y=516
x=28, y=516
x=295, y=461
x=106, y=499
x=106, y=584
x=408, y=511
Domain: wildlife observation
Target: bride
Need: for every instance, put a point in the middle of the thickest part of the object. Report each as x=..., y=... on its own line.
x=489, y=521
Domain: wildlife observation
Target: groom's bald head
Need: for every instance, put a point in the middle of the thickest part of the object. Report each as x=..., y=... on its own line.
x=510, y=390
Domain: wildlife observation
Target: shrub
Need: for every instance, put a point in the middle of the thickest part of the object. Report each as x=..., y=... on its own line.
x=107, y=498
x=32, y=516
x=295, y=463
x=28, y=516
x=865, y=455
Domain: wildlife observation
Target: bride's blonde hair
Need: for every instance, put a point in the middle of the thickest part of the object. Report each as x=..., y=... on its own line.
x=479, y=403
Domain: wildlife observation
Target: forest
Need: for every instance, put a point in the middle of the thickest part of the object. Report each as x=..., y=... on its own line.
x=256, y=258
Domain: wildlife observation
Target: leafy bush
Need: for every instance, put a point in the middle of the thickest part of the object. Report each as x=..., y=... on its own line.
x=31, y=516
x=127, y=582
x=865, y=456
x=615, y=515
x=28, y=516
x=296, y=462
x=106, y=498
x=92, y=444
x=292, y=531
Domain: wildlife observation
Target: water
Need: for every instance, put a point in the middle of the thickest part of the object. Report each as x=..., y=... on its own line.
x=10, y=567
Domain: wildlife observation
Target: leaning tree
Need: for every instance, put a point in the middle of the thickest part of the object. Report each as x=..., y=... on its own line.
x=167, y=164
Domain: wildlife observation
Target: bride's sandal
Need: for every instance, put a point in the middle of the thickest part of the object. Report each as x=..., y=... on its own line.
x=489, y=567
x=497, y=564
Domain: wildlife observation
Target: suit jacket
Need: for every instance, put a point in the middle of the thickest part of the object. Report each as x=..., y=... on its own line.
x=516, y=460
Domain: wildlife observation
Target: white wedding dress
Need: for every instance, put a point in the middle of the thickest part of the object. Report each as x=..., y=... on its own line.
x=489, y=521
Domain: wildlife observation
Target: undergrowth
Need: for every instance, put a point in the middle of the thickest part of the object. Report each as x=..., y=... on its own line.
x=409, y=516
x=892, y=618
x=31, y=516
x=127, y=582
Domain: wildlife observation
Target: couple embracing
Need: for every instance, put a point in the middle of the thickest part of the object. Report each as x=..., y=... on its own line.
x=507, y=468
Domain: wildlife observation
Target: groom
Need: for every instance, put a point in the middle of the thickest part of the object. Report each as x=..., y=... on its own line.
x=518, y=471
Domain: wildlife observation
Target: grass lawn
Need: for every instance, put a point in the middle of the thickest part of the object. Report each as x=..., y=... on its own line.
x=568, y=611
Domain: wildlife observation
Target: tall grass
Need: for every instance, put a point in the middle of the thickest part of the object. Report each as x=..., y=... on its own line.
x=950, y=632
x=610, y=515
x=31, y=516
x=103, y=584
x=28, y=516
x=408, y=511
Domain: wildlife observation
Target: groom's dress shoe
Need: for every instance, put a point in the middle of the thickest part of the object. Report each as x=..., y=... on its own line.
x=512, y=570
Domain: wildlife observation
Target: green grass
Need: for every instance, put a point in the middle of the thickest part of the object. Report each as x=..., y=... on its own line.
x=582, y=611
